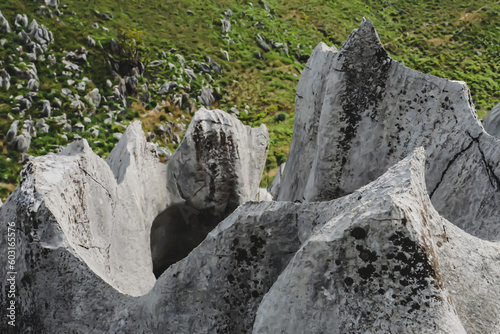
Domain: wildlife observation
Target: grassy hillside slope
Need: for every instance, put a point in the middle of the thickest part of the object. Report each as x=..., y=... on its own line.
x=453, y=39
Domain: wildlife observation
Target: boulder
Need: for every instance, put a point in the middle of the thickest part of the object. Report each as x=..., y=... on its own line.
x=226, y=24
x=4, y=79
x=4, y=24
x=94, y=98
x=46, y=108
x=358, y=112
x=206, y=96
x=40, y=33
x=33, y=85
x=21, y=21
x=21, y=143
x=12, y=133
x=51, y=3
x=166, y=87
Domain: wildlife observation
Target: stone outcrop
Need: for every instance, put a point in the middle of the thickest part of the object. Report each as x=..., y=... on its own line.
x=377, y=258
x=103, y=211
x=359, y=112
x=216, y=168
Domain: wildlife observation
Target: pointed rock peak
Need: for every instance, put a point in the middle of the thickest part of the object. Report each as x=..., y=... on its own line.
x=78, y=147
x=364, y=41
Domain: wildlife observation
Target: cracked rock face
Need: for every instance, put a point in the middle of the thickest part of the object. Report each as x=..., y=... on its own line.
x=358, y=112
x=379, y=258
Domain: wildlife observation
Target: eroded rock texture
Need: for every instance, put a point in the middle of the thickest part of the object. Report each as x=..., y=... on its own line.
x=359, y=112
x=216, y=168
x=492, y=122
x=379, y=258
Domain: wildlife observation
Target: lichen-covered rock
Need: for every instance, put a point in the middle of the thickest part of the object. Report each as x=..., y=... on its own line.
x=491, y=122
x=216, y=168
x=358, y=112
x=380, y=259
x=377, y=253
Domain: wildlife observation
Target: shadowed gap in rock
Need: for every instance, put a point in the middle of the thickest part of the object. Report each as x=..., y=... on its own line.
x=176, y=232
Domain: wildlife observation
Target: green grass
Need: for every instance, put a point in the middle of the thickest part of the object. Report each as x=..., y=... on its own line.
x=457, y=40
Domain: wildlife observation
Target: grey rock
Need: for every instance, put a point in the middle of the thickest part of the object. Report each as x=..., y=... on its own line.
x=79, y=127
x=4, y=24
x=77, y=104
x=166, y=87
x=78, y=56
x=274, y=186
x=181, y=60
x=67, y=92
x=300, y=263
x=4, y=79
x=81, y=86
x=33, y=85
x=42, y=126
x=226, y=25
x=12, y=133
x=225, y=53
x=492, y=122
x=52, y=60
x=25, y=104
x=206, y=97
x=21, y=21
x=40, y=33
x=21, y=143
x=214, y=66
x=91, y=41
x=70, y=66
x=51, y=3
x=67, y=127
x=131, y=85
x=24, y=38
x=265, y=4
x=46, y=108
x=94, y=98
x=205, y=68
x=156, y=63
x=190, y=74
x=373, y=113
x=28, y=73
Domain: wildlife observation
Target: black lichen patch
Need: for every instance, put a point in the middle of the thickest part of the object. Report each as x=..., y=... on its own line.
x=358, y=233
x=366, y=272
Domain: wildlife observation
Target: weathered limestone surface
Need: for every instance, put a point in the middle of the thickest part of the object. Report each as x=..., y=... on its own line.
x=358, y=112
x=491, y=122
x=101, y=211
x=377, y=256
x=216, y=168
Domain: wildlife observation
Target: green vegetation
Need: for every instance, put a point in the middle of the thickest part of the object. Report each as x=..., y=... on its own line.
x=459, y=40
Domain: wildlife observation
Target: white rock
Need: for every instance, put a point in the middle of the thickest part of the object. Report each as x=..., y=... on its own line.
x=358, y=112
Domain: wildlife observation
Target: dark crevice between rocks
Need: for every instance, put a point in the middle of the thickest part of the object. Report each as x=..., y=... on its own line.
x=177, y=231
x=494, y=180
x=451, y=162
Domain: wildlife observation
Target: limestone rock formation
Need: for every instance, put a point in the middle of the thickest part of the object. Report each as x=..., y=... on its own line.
x=491, y=122
x=359, y=112
x=103, y=211
x=358, y=247
x=216, y=168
